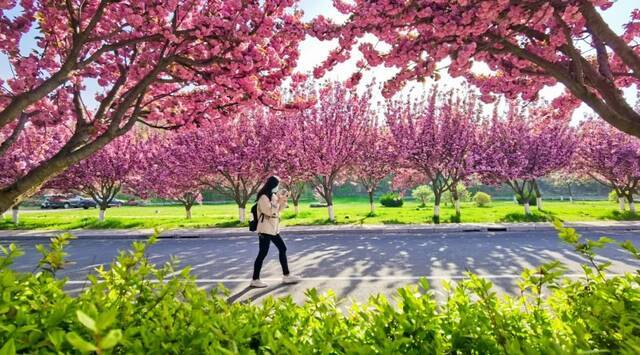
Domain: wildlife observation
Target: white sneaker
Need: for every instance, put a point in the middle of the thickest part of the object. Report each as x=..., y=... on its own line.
x=258, y=284
x=290, y=279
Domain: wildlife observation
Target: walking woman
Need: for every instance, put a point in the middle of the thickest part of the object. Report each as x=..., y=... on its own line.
x=271, y=201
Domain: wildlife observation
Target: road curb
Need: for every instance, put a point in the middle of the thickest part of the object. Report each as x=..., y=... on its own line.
x=305, y=231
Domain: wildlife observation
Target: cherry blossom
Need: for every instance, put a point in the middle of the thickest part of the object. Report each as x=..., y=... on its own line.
x=610, y=157
x=526, y=46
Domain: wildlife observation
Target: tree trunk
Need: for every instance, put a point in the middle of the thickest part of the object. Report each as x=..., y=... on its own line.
x=187, y=209
x=436, y=207
x=296, y=208
x=328, y=196
x=102, y=213
x=621, y=203
x=456, y=200
x=15, y=214
x=632, y=205
x=371, y=203
x=241, y=214
x=332, y=216
x=536, y=190
x=570, y=193
x=527, y=208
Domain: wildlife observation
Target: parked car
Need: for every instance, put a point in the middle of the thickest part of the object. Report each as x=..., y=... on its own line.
x=134, y=202
x=116, y=203
x=55, y=201
x=82, y=202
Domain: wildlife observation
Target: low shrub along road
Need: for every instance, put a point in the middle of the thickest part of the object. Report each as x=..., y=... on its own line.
x=348, y=211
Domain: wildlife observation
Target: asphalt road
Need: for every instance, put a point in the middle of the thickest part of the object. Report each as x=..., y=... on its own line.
x=353, y=266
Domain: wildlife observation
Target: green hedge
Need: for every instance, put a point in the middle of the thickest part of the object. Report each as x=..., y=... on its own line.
x=391, y=199
x=124, y=309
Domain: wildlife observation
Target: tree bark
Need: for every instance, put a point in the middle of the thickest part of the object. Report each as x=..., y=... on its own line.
x=241, y=214
x=536, y=190
x=527, y=208
x=456, y=200
x=632, y=205
x=102, y=213
x=187, y=209
x=15, y=214
x=570, y=193
x=332, y=216
x=371, y=202
x=621, y=203
x=436, y=206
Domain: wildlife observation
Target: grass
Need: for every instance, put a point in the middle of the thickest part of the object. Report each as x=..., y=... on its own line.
x=348, y=211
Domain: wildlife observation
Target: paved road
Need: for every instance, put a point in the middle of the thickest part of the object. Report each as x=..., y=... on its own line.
x=353, y=266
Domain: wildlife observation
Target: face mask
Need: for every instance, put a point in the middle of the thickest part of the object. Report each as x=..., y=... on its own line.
x=274, y=190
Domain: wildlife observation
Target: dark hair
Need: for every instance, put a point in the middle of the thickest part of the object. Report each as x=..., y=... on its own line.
x=269, y=185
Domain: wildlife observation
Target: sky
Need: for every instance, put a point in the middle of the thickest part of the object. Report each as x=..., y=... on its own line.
x=313, y=51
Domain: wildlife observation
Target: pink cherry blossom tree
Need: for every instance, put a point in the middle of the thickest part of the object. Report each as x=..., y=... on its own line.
x=332, y=133
x=231, y=155
x=524, y=145
x=438, y=138
x=610, y=157
x=106, y=173
x=407, y=179
x=165, y=175
x=377, y=159
x=288, y=159
x=29, y=147
x=164, y=64
x=526, y=46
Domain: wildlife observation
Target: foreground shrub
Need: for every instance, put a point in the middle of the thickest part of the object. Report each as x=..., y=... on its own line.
x=482, y=199
x=137, y=307
x=391, y=200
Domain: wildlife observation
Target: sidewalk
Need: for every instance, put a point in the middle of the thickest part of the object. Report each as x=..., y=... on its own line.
x=322, y=230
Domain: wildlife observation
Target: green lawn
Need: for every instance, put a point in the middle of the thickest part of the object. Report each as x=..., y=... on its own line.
x=348, y=211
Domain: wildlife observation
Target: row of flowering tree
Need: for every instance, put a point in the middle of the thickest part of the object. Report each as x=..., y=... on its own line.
x=441, y=139
x=167, y=65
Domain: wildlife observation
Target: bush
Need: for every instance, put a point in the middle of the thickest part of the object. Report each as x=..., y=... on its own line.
x=613, y=196
x=481, y=199
x=531, y=197
x=423, y=193
x=463, y=194
x=123, y=309
x=391, y=200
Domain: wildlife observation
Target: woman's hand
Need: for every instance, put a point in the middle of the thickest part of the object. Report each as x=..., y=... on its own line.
x=283, y=196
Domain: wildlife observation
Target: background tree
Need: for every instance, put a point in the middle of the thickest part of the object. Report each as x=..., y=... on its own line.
x=407, y=179
x=332, y=132
x=422, y=193
x=526, y=45
x=438, y=138
x=31, y=145
x=610, y=157
x=232, y=156
x=106, y=173
x=376, y=160
x=165, y=175
x=567, y=179
x=287, y=157
x=528, y=143
x=165, y=64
